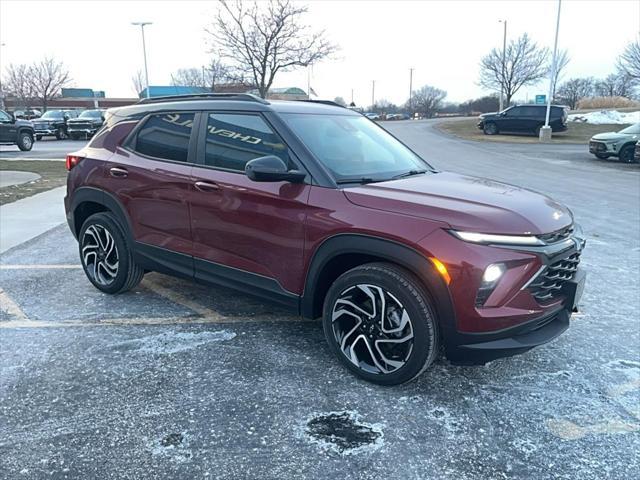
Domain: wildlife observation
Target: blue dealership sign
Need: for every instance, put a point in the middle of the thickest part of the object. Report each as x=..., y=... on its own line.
x=541, y=99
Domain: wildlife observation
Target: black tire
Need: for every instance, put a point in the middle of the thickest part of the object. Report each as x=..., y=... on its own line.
x=601, y=156
x=626, y=154
x=128, y=273
x=490, y=128
x=406, y=290
x=61, y=134
x=24, y=141
x=38, y=137
x=74, y=136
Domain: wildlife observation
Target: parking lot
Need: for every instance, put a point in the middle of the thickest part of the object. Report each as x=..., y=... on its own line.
x=180, y=380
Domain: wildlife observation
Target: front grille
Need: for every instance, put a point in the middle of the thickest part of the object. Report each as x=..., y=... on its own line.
x=557, y=236
x=79, y=125
x=549, y=284
x=597, y=147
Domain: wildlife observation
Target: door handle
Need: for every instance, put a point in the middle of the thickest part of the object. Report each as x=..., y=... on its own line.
x=207, y=186
x=118, y=172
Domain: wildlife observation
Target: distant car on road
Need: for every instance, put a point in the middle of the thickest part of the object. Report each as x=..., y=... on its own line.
x=616, y=144
x=523, y=119
x=372, y=116
x=86, y=125
x=16, y=132
x=53, y=123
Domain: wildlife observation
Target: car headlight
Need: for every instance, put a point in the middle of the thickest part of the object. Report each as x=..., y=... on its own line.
x=488, y=238
x=490, y=279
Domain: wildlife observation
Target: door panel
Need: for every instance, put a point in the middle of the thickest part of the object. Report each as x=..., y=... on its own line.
x=251, y=226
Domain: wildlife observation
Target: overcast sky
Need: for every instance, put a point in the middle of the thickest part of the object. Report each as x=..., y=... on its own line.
x=380, y=40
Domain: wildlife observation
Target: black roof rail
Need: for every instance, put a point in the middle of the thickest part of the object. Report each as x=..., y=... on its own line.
x=324, y=102
x=204, y=96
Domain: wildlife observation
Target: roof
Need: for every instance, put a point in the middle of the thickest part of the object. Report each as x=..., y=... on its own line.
x=241, y=102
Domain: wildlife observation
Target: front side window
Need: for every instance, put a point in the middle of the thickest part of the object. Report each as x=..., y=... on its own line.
x=235, y=138
x=632, y=130
x=166, y=136
x=354, y=147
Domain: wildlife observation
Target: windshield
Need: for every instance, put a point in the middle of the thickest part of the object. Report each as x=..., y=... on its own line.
x=632, y=130
x=52, y=114
x=91, y=114
x=353, y=148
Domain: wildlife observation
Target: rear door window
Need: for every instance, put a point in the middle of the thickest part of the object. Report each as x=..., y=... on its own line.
x=165, y=136
x=232, y=139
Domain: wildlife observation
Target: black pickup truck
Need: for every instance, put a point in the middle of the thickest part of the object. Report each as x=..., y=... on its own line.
x=16, y=132
x=87, y=124
x=53, y=123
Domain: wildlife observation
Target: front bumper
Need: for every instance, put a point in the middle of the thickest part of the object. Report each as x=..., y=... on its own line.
x=82, y=131
x=480, y=348
x=45, y=131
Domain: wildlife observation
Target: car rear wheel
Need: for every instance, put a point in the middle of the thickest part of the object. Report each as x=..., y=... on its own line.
x=626, y=154
x=380, y=323
x=490, y=128
x=25, y=141
x=106, y=258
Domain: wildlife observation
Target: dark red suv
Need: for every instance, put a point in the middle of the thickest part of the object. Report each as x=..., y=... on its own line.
x=321, y=210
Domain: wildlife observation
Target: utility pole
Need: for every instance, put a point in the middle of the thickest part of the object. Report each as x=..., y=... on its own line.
x=504, y=53
x=545, y=132
x=373, y=93
x=411, y=91
x=204, y=78
x=144, y=52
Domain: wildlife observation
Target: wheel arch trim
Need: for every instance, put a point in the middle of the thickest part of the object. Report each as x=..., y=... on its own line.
x=110, y=202
x=387, y=250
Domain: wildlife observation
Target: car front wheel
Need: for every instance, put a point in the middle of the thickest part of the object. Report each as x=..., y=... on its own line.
x=626, y=154
x=106, y=258
x=25, y=141
x=61, y=134
x=380, y=323
x=490, y=128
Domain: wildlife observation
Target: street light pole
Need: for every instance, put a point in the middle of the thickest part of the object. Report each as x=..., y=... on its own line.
x=411, y=91
x=144, y=52
x=504, y=53
x=545, y=132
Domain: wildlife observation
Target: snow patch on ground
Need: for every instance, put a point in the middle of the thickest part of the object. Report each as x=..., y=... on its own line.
x=606, y=117
x=172, y=342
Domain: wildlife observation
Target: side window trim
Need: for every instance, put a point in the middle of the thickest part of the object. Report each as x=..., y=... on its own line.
x=129, y=142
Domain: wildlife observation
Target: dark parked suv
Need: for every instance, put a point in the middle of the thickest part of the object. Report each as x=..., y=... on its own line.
x=319, y=209
x=524, y=119
x=86, y=125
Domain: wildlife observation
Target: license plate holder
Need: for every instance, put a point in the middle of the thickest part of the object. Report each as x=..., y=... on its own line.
x=574, y=289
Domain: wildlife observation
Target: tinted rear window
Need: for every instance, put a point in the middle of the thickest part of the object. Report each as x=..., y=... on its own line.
x=166, y=136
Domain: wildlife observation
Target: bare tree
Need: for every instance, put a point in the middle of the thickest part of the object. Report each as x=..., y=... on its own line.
x=616, y=85
x=189, y=77
x=264, y=39
x=17, y=83
x=340, y=101
x=629, y=61
x=47, y=78
x=562, y=61
x=575, y=89
x=427, y=100
x=137, y=81
x=525, y=64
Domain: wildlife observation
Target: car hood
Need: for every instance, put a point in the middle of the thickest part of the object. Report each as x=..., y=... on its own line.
x=465, y=203
x=84, y=120
x=611, y=136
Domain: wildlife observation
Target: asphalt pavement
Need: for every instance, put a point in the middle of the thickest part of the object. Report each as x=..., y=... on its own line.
x=45, y=149
x=180, y=380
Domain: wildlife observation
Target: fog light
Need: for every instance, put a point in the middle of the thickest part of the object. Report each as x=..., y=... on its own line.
x=492, y=273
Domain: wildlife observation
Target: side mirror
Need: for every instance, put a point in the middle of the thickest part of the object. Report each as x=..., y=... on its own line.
x=271, y=169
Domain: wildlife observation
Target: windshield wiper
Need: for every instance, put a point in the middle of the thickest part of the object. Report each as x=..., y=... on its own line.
x=410, y=173
x=361, y=180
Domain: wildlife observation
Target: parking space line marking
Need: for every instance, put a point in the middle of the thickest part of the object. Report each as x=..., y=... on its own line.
x=39, y=266
x=182, y=300
x=12, y=308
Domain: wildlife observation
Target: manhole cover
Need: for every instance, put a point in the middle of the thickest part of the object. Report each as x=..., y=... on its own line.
x=342, y=432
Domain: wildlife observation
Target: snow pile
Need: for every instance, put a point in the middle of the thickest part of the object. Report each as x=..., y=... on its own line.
x=606, y=117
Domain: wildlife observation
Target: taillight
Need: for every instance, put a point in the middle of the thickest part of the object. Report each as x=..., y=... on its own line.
x=72, y=161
